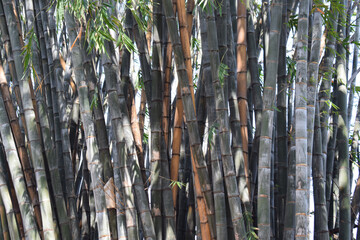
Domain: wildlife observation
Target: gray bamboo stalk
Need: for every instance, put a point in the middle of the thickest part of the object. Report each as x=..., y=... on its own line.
x=11, y=64
x=235, y=119
x=301, y=180
x=184, y=177
x=343, y=135
x=4, y=223
x=190, y=214
x=17, y=129
x=45, y=67
x=33, y=134
x=326, y=72
x=101, y=135
x=313, y=74
x=355, y=203
x=214, y=149
x=7, y=202
x=146, y=72
x=60, y=123
x=330, y=156
x=121, y=202
x=264, y=169
x=221, y=21
x=189, y=110
x=13, y=161
x=256, y=97
x=122, y=119
x=281, y=151
x=122, y=164
x=92, y=153
x=51, y=87
x=224, y=134
x=318, y=172
x=355, y=63
x=46, y=132
x=155, y=121
x=120, y=208
x=289, y=218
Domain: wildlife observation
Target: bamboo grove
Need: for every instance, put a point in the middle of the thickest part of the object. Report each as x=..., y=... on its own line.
x=174, y=119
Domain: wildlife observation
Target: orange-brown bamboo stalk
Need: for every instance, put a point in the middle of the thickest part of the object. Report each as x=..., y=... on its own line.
x=206, y=228
x=185, y=42
x=241, y=70
x=142, y=112
x=174, y=167
x=135, y=128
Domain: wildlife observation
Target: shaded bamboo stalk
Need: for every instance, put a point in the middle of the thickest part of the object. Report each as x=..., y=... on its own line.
x=355, y=203
x=281, y=161
x=51, y=85
x=92, y=153
x=61, y=127
x=224, y=135
x=4, y=223
x=30, y=119
x=46, y=132
x=235, y=123
x=199, y=165
x=355, y=63
x=185, y=35
x=318, y=172
x=9, y=53
x=263, y=205
x=313, y=74
x=7, y=204
x=216, y=169
x=120, y=200
x=30, y=228
x=241, y=71
x=118, y=102
x=289, y=224
x=20, y=143
x=257, y=99
x=302, y=181
x=326, y=73
x=343, y=135
x=155, y=122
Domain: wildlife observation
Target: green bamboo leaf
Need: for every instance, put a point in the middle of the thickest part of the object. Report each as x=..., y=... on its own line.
x=223, y=72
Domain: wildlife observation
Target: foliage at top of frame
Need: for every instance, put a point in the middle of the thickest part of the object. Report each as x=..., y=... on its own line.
x=100, y=18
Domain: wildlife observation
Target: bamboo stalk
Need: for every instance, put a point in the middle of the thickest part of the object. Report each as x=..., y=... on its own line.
x=30, y=119
x=20, y=143
x=95, y=164
x=30, y=228
x=241, y=71
x=263, y=204
x=302, y=181
x=118, y=102
x=7, y=205
x=5, y=234
x=343, y=135
x=224, y=134
x=281, y=152
x=61, y=124
x=318, y=166
x=202, y=183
